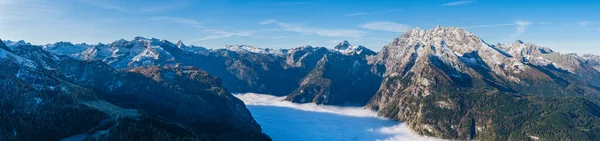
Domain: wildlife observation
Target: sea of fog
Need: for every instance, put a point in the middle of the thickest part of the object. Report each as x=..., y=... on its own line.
x=286, y=121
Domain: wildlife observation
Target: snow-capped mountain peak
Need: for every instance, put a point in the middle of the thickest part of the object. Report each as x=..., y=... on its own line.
x=13, y=44
x=453, y=46
x=66, y=48
x=347, y=49
x=253, y=49
x=343, y=45
x=521, y=48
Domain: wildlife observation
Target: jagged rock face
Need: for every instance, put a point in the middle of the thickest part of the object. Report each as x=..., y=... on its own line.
x=543, y=56
x=42, y=91
x=455, y=47
x=66, y=48
x=339, y=79
x=304, y=57
x=125, y=54
x=13, y=44
x=448, y=72
x=593, y=60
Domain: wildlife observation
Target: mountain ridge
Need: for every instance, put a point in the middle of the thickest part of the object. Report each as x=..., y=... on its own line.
x=448, y=72
x=42, y=91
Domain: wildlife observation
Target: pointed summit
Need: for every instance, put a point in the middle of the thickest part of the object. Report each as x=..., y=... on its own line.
x=347, y=49
x=518, y=42
x=343, y=45
x=180, y=44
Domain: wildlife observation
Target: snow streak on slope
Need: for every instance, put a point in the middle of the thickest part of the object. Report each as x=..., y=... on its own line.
x=399, y=132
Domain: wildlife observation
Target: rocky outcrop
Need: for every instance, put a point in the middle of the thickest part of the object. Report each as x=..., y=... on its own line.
x=53, y=97
x=593, y=60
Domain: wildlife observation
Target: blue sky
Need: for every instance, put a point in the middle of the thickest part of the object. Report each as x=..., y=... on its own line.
x=564, y=25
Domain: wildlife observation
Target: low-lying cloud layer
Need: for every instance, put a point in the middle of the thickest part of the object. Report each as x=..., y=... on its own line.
x=269, y=100
x=399, y=132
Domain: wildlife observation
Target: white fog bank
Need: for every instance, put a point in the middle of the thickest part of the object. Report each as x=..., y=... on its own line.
x=366, y=122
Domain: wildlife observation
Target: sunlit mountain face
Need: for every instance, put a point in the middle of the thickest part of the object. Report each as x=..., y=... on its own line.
x=302, y=70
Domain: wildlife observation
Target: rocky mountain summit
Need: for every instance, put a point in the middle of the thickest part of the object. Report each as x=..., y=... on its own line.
x=593, y=60
x=447, y=82
x=52, y=97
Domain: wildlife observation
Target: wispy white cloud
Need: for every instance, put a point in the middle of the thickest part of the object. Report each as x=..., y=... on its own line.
x=584, y=23
x=490, y=25
x=145, y=8
x=269, y=21
x=314, y=31
x=278, y=38
x=31, y=9
x=371, y=13
x=218, y=34
x=385, y=26
x=178, y=20
x=457, y=3
x=521, y=25
x=161, y=7
x=282, y=3
x=544, y=23
x=107, y=6
x=292, y=3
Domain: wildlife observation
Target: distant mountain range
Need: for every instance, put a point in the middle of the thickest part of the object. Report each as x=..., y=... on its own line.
x=444, y=82
x=246, y=68
x=45, y=96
